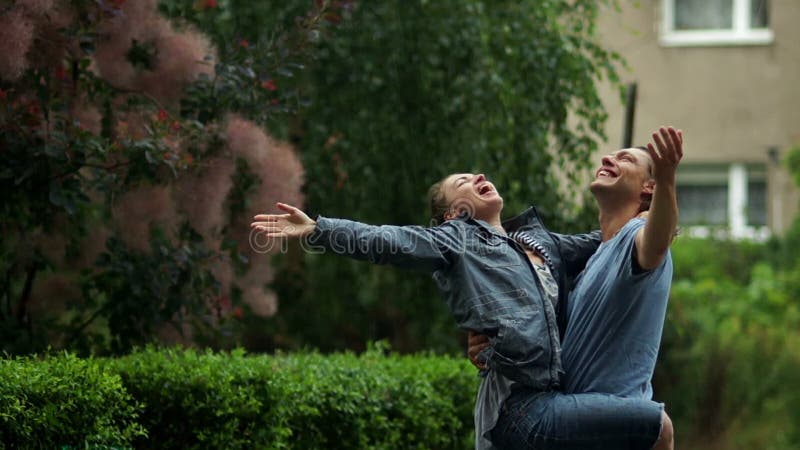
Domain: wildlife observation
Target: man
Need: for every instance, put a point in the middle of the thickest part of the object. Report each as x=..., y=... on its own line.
x=616, y=311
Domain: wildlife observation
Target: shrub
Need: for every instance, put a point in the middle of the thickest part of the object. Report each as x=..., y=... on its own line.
x=62, y=401
x=302, y=400
x=169, y=399
x=729, y=354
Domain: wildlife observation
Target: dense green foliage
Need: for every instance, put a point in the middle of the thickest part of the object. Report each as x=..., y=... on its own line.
x=406, y=92
x=729, y=359
x=184, y=399
x=409, y=92
x=63, y=401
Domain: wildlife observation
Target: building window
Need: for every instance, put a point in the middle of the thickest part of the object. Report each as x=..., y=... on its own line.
x=731, y=199
x=715, y=22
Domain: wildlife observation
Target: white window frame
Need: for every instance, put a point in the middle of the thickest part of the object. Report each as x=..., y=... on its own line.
x=737, y=226
x=740, y=34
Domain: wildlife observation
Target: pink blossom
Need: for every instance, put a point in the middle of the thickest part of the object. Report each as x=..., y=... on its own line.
x=135, y=211
x=52, y=244
x=92, y=247
x=52, y=292
x=51, y=47
x=261, y=302
x=178, y=57
x=16, y=36
x=274, y=162
x=201, y=196
x=180, y=60
x=36, y=7
x=88, y=117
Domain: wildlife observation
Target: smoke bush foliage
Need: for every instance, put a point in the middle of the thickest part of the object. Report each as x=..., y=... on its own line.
x=132, y=160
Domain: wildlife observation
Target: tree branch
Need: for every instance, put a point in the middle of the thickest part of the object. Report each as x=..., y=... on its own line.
x=25, y=297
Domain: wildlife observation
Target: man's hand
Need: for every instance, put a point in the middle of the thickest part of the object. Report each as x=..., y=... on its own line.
x=670, y=151
x=475, y=344
x=293, y=224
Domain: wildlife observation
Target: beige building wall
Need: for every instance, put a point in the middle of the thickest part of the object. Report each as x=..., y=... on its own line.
x=734, y=102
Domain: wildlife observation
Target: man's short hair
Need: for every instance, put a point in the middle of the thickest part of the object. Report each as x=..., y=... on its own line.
x=646, y=198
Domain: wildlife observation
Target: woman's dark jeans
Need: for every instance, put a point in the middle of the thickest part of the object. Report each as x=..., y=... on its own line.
x=537, y=420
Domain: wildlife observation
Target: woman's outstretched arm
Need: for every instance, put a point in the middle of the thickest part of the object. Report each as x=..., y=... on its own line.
x=411, y=247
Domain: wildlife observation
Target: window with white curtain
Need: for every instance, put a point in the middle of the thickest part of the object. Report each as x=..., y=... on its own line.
x=715, y=22
x=727, y=197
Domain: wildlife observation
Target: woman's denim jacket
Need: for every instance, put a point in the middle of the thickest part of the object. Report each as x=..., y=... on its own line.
x=485, y=278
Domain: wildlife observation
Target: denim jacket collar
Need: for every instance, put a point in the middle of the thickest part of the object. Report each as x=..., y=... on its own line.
x=526, y=218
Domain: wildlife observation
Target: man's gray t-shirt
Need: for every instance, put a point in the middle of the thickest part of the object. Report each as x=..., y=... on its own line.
x=615, y=318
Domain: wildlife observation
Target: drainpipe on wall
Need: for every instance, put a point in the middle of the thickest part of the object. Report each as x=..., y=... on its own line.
x=630, y=112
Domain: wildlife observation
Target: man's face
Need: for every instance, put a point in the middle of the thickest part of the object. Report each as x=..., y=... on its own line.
x=473, y=194
x=627, y=173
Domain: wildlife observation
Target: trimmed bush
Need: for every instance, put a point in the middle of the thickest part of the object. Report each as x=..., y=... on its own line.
x=187, y=399
x=64, y=402
x=304, y=400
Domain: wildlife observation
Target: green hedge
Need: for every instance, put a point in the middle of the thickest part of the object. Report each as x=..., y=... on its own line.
x=64, y=402
x=187, y=399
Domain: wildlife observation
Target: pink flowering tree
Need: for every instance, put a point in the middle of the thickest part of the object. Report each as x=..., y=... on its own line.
x=133, y=155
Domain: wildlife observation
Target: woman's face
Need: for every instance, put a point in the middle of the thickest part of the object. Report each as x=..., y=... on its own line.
x=473, y=194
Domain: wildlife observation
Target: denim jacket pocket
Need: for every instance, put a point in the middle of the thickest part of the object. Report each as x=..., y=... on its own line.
x=519, y=353
x=494, y=305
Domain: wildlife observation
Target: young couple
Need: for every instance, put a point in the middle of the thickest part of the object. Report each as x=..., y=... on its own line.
x=561, y=370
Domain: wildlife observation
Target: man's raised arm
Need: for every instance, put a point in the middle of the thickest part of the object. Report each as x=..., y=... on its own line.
x=653, y=240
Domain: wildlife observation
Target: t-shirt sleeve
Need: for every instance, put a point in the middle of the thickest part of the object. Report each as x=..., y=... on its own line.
x=629, y=268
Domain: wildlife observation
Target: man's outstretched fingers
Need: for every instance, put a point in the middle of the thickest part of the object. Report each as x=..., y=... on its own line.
x=677, y=144
x=673, y=134
x=659, y=144
x=666, y=135
x=653, y=153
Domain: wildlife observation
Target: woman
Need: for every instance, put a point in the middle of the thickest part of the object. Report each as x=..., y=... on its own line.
x=484, y=268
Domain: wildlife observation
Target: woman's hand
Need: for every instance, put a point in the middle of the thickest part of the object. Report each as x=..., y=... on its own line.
x=475, y=344
x=293, y=224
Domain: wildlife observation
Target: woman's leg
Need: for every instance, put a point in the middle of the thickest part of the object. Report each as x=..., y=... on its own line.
x=553, y=420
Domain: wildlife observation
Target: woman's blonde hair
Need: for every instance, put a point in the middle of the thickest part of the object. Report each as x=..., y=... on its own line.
x=438, y=202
